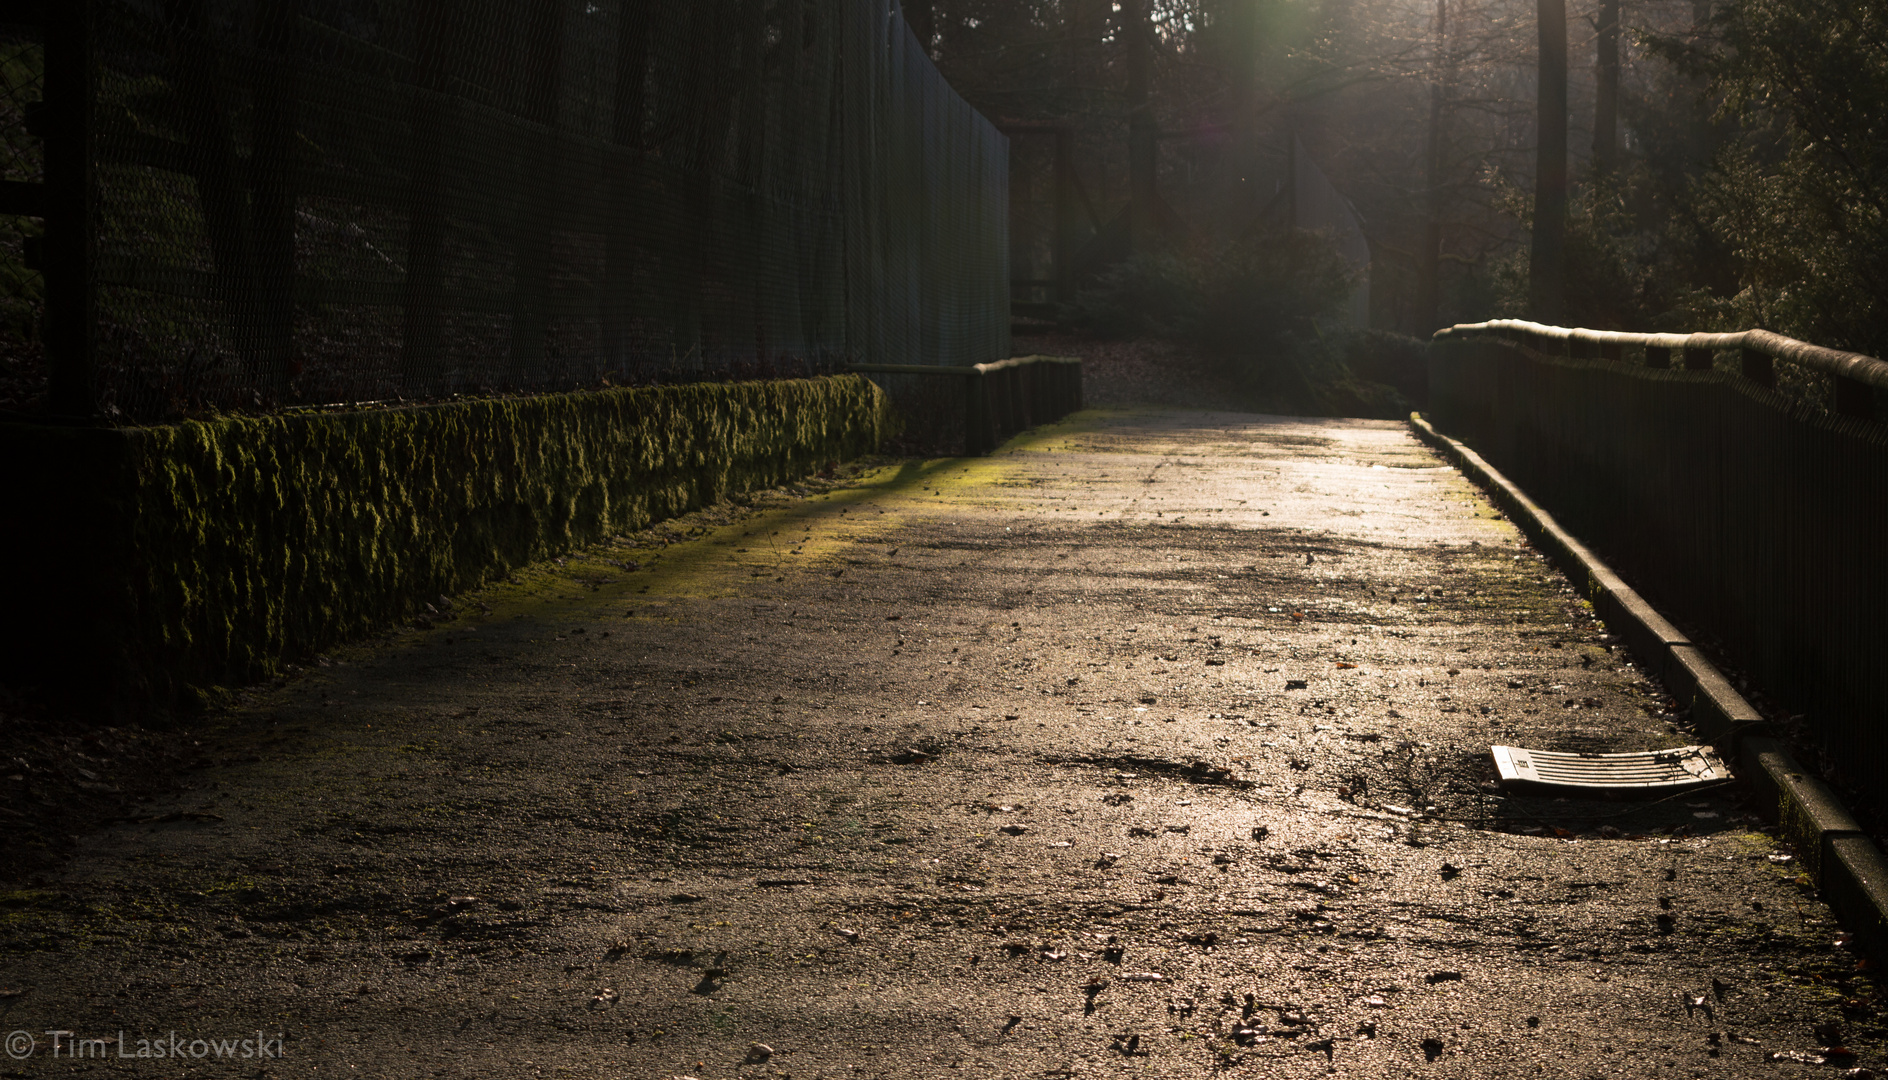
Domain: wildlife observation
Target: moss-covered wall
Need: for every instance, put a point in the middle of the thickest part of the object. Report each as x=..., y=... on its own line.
x=157, y=559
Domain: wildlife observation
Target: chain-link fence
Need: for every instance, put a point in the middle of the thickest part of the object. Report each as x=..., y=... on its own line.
x=319, y=201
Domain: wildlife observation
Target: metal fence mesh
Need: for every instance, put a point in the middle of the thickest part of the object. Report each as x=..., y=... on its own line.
x=316, y=201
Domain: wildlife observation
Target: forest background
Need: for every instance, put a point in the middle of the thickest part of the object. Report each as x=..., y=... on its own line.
x=1728, y=163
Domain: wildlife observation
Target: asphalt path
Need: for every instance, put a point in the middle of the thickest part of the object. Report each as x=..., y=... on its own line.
x=1154, y=744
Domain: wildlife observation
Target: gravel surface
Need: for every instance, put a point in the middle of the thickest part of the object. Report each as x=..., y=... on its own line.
x=1155, y=744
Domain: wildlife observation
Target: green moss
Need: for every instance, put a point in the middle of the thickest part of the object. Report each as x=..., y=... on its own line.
x=206, y=553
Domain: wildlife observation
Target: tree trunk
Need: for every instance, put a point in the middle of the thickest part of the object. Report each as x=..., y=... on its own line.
x=1086, y=23
x=1547, y=271
x=1143, y=135
x=1240, y=20
x=1429, y=268
x=1606, y=93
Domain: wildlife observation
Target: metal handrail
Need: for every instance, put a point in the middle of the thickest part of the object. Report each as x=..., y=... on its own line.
x=1754, y=344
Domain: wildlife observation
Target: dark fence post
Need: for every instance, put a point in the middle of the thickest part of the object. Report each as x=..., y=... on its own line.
x=1613, y=351
x=71, y=79
x=1017, y=395
x=624, y=175
x=273, y=195
x=976, y=414
x=1758, y=368
x=208, y=103
x=422, y=298
x=541, y=209
x=1854, y=398
x=1658, y=356
x=1697, y=359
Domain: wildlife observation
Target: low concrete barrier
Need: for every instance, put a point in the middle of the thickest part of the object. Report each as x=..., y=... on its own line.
x=153, y=561
x=995, y=402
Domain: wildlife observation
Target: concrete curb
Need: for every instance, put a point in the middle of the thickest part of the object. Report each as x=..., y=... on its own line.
x=1843, y=862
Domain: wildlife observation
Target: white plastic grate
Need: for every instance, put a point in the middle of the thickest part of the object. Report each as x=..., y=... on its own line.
x=1677, y=768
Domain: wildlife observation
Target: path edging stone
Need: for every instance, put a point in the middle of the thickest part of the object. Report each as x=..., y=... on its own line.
x=1844, y=863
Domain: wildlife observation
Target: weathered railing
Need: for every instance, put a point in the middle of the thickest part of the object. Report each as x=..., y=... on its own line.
x=999, y=399
x=1753, y=516
x=1854, y=374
